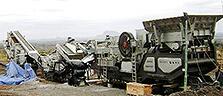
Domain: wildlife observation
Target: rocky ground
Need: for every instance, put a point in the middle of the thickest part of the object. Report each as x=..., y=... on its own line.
x=37, y=88
x=41, y=87
x=205, y=91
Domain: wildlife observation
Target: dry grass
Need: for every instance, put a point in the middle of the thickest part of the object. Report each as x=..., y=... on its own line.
x=3, y=56
x=4, y=60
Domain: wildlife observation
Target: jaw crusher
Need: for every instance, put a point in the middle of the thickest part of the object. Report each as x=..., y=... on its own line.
x=156, y=55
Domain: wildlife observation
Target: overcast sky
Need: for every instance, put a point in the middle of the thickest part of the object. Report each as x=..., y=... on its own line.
x=42, y=19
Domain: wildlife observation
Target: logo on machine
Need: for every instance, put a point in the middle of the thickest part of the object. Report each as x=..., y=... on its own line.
x=168, y=65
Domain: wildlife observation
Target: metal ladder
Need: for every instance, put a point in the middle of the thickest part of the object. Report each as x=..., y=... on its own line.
x=104, y=72
x=134, y=71
x=104, y=69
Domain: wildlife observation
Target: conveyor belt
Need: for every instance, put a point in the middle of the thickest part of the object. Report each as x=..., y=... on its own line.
x=22, y=39
x=68, y=51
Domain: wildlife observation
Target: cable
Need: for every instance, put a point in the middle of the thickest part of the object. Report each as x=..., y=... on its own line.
x=207, y=54
x=199, y=69
x=212, y=62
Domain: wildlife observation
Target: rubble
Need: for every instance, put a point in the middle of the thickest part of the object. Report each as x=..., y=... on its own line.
x=205, y=91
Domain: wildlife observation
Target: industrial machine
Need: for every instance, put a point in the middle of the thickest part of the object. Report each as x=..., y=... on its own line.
x=107, y=54
x=20, y=50
x=68, y=62
x=162, y=52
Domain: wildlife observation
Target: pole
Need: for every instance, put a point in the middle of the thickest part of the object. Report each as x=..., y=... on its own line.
x=185, y=51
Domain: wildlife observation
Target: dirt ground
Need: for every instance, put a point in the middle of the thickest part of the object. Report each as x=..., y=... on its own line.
x=205, y=91
x=37, y=88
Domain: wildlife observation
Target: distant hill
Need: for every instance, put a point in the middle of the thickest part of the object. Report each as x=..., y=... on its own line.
x=103, y=35
x=50, y=40
x=62, y=40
